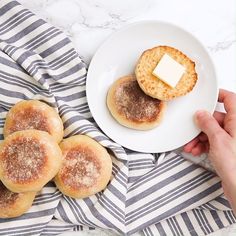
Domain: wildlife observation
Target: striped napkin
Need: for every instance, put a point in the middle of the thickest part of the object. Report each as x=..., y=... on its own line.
x=159, y=194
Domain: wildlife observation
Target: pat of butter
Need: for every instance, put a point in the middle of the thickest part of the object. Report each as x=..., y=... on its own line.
x=169, y=71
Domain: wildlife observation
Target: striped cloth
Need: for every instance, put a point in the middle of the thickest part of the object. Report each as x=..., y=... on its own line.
x=159, y=194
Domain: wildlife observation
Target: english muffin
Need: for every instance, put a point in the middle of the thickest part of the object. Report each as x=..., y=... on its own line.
x=86, y=167
x=14, y=204
x=33, y=114
x=28, y=160
x=131, y=107
x=155, y=87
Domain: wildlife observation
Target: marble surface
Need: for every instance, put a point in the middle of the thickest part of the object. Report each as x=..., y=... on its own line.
x=89, y=22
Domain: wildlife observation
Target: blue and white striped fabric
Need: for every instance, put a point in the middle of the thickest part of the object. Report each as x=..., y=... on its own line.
x=160, y=194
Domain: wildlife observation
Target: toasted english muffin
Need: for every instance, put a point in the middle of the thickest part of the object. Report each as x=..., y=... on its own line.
x=131, y=107
x=155, y=87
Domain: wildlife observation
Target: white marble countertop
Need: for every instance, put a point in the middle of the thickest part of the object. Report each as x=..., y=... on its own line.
x=89, y=22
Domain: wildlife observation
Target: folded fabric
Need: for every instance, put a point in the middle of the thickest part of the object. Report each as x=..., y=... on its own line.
x=161, y=194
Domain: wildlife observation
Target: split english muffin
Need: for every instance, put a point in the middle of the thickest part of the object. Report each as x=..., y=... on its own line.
x=131, y=107
x=154, y=86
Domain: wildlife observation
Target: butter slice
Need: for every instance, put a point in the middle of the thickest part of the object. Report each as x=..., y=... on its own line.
x=169, y=71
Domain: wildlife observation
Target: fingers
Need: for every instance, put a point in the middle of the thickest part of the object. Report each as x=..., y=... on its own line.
x=219, y=116
x=201, y=138
x=208, y=125
x=200, y=148
x=189, y=146
x=215, y=126
x=230, y=124
x=197, y=149
x=227, y=121
x=229, y=100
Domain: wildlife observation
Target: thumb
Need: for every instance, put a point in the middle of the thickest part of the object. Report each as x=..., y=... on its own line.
x=208, y=124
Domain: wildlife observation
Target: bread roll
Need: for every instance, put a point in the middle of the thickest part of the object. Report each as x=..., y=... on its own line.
x=155, y=87
x=28, y=160
x=14, y=204
x=131, y=107
x=33, y=114
x=86, y=167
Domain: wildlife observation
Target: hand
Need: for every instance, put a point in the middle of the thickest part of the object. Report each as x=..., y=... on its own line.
x=218, y=138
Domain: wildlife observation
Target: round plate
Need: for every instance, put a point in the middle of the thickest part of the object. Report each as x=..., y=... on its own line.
x=117, y=57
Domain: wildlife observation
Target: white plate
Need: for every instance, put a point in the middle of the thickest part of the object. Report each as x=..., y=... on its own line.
x=117, y=57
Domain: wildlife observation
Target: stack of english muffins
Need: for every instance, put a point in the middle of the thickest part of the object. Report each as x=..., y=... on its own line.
x=33, y=153
x=138, y=101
